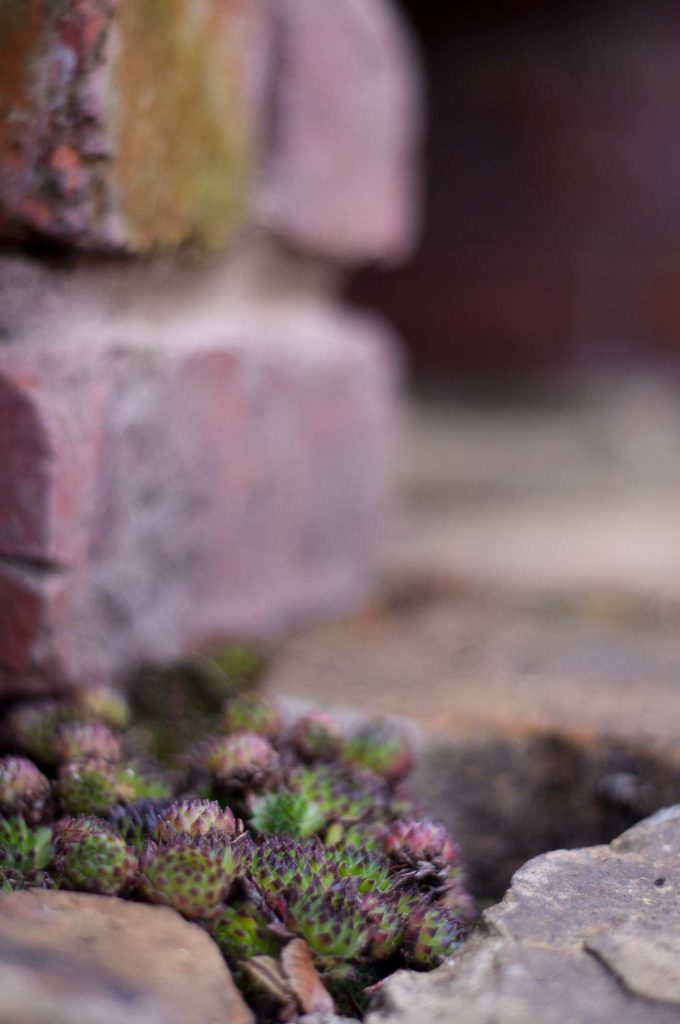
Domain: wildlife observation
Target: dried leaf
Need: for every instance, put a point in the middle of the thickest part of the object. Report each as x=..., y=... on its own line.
x=296, y=961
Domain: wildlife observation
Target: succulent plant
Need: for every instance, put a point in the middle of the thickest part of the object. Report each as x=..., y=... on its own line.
x=279, y=864
x=11, y=880
x=91, y=856
x=103, y=703
x=410, y=842
x=317, y=737
x=333, y=924
x=23, y=848
x=78, y=741
x=458, y=900
x=137, y=821
x=241, y=932
x=192, y=877
x=285, y=813
x=243, y=760
x=433, y=934
x=23, y=788
x=196, y=819
x=242, y=664
x=32, y=728
x=88, y=787
x=252, y=712
x=361, y=835
x=340, y=794
x=338, y=885
x=370, y=869
x=381, y=748
x=424, y=850
x=387, y=921
x=140, y=781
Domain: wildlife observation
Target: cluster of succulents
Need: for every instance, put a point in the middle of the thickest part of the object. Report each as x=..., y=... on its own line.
x=294, y=846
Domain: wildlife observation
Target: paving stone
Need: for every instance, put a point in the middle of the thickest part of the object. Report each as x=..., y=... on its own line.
x=71, y=958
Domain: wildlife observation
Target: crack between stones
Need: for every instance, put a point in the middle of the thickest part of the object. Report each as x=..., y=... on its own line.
x=32, y=564
x=621, y=980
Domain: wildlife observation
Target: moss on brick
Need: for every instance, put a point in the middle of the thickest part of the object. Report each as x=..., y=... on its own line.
x=180, y=119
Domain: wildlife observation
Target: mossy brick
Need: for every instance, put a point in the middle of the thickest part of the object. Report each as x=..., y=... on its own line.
x=126, y=125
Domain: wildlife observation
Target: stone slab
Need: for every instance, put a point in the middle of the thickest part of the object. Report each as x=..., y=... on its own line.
x=126, y=125
x=582, y=936
x=187, y=460
x=71, y=958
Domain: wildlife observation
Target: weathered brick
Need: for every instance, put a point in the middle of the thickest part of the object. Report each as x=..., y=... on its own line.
x=126, y=124
x=341, y=159
x=180, y=470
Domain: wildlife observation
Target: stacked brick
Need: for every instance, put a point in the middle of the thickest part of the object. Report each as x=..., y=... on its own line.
x=195, y=433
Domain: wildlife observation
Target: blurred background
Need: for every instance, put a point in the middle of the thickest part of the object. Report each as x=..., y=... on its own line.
x=541, y=313
x=552, y=235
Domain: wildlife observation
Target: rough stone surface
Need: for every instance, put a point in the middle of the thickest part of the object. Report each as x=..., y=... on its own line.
x=340, y=165
x=584, y=936
x=70, y=958
x=185, y=461
x=126, y=124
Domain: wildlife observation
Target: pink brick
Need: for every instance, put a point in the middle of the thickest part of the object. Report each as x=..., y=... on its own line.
x=175, y=482
x=341, y=158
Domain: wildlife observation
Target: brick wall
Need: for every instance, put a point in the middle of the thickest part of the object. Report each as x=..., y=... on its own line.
x=195, y=432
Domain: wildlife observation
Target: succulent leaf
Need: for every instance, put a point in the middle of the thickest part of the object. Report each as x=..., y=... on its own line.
x=286, y=813
x=241, y=932
x=333, y=924
x=23, y=848
x=433, y=934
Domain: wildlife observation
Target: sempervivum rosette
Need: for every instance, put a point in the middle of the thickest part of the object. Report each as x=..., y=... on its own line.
x=196, y=819
x=90, y=856
x=433, y=934
x=380, y=747
x=24, y=790
x=193, y=878
x=241, y=761
x=252, y=712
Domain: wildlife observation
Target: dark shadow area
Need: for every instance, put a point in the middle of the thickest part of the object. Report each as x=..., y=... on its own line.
x=512, y=799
